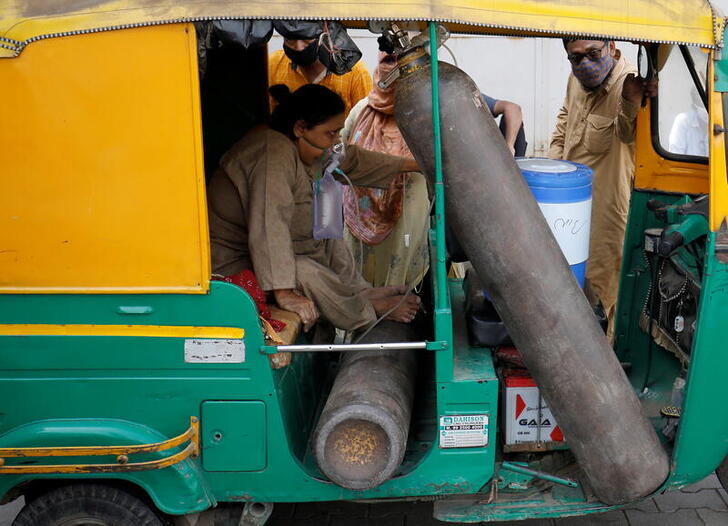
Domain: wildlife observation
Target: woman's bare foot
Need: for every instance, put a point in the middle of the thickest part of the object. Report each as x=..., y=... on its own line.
x=405, y=307
x=385, y=292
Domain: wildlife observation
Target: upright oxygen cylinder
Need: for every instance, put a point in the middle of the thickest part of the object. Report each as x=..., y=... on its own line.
x=514, y=252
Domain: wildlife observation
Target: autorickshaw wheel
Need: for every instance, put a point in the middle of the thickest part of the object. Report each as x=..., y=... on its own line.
x=722, y=472
x=87, y=505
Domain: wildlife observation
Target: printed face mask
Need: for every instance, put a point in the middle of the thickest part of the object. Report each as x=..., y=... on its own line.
x=592, y=73
x=305, y=57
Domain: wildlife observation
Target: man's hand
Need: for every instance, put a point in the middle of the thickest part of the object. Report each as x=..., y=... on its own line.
x=289, y=299
x=513, y=119
x=635, y=88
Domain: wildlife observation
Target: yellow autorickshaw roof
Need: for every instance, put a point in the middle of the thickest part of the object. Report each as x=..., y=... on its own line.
x=674, y=21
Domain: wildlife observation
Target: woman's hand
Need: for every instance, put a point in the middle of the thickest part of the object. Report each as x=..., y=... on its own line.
x=289, y=299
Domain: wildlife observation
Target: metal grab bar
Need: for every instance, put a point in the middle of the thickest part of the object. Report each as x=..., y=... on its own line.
x=353, y=347
x=349, y=347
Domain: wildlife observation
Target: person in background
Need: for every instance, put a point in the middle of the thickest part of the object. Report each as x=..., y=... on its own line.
x=511, y=126
x=511, y=123
x=689, y=131
x=596, y=127
x=386, y=228
x=298, y=64
x=260, y=203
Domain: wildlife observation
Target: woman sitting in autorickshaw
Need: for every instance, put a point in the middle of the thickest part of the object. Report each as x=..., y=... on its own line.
x=261, y=214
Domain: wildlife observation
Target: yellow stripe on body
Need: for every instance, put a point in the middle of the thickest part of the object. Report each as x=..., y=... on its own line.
x=154, y=331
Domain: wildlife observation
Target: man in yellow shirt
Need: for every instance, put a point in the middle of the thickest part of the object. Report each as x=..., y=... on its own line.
x=596, y=127
x=298, y=64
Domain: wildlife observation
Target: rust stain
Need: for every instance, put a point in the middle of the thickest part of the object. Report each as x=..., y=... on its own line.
x=450, y=487
x=721, y=239
x=357, y=446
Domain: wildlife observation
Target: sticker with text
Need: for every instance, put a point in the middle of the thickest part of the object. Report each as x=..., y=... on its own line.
x=214, y=351
x=463, y=431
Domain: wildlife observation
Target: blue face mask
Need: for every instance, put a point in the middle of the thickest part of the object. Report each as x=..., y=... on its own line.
x=591, y=73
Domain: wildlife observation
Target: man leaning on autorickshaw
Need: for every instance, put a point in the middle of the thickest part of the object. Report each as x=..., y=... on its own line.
x=596, y=127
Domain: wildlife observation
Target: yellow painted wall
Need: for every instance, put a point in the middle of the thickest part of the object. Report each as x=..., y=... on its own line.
x=101, y=173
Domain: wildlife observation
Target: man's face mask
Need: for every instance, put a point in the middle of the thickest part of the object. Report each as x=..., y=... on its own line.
x=304, y=57
x=592, y=68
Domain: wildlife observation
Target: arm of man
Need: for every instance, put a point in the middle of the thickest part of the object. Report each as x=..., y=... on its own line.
x=556, y=147
x=634, y=90
x=513, y=120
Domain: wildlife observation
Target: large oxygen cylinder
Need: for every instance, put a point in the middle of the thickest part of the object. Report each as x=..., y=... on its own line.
x=514, y=252
x=361, y=436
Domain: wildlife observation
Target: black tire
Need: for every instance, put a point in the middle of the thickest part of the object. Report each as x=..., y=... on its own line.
x=87, y=505
x=722, y=472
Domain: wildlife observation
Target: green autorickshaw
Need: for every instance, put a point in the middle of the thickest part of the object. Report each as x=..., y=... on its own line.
x=137, y=390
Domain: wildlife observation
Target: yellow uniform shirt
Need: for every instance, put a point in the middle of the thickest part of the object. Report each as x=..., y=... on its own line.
x=596, y=128
x=352, y=86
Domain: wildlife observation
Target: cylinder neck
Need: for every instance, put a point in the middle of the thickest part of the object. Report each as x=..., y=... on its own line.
x=412, y=60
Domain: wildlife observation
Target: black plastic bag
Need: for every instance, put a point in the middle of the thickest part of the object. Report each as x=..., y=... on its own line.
x=239, y=33
x=299, y=29
x=245, y=33
x=337, y=51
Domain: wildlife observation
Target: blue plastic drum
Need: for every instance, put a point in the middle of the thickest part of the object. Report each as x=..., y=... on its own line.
x=563, y=191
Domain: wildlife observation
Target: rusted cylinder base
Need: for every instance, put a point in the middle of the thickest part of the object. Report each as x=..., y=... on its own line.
x=361, y=436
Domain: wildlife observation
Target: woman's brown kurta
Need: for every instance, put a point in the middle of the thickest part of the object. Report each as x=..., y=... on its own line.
x=260, y=204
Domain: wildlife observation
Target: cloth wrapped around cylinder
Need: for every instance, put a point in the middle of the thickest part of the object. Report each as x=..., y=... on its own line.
x=548, y=317
x=361, y=436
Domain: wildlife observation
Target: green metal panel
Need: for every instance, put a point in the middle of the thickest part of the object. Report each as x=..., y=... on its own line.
x=630, y=342
x=721, y=72
x=298, y=392
x=143, y=382
x=559, y=502
x=702, y=440
x=233, y=436
x=473, y=390
x=146, y=381
x=180, y=488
